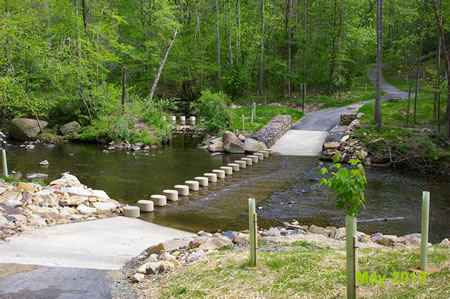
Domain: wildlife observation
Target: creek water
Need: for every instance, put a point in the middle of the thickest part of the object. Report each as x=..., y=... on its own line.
x=285, y=188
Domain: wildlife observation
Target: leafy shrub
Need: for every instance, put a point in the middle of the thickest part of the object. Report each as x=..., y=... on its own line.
x=213, y=107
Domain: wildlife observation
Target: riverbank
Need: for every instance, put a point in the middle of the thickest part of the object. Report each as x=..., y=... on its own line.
x=25, y=206
x=293, y=261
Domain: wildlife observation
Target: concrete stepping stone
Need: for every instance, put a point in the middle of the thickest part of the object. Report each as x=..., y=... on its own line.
x=220, y=173
x=203, y=181
x=228, y=169
x=265, y=153
x=145, y=205
x=159, y=200
x=171, y=195
x=249, y=161
x=212, y=177
x=193, y=185
x=234, y=166
x=182, y=189
x=254, y=158
x=259, y=155
x=131, y=211
x=242, y=164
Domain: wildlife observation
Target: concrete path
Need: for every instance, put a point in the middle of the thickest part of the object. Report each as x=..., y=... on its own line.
x=76, y=257
x=307, y=137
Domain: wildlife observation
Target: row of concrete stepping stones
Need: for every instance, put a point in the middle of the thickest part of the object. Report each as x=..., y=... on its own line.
x=193, y=185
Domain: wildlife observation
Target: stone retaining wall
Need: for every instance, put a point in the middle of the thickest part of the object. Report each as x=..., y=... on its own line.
x=277, y=127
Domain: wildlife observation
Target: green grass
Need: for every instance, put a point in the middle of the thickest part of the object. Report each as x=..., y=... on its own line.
x=301, y=273
x=10, y=179
x=263, y=115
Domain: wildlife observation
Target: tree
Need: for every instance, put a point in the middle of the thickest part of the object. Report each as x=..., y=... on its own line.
x=261, y=59
x=378, y=117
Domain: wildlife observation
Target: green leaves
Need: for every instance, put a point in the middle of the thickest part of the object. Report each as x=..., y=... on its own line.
x=347, y=187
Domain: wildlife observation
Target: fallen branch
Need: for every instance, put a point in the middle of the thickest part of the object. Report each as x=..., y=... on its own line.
x=380, y=219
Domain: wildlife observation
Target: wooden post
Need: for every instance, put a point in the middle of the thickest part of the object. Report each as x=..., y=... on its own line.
x=252, y=231
x=252, y=116
x=254, y=108
x=5, y=164
x=243, y=127
x=355, y=264
x=350, y=226
x=424, y=230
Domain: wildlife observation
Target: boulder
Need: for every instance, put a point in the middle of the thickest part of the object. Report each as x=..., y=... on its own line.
x=232, y=144
x=25, y=129
x=104, y=206
x=66, y=180
x=216, y=147
x=85, y=210
x=413, y=240
x=319, y=230
x=196, y=243
x=69, y=128
x=240, y=240
x=445, y=242
x=331, y=145
x=215, y=243
x=340, y=233
x=138, y=277
x=274, y=232
x=377, y=237
x=252, y=145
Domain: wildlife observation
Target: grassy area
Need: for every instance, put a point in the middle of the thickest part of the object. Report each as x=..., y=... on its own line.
x=410, y=139
x=302, y=273
x=263, y=115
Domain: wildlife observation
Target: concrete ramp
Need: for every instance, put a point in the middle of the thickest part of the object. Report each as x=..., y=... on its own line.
x=100, y=244
x=300, y=143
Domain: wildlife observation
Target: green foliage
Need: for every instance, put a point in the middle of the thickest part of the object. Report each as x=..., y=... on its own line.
x=263, y=115
x=347, y=187
x=214, y=108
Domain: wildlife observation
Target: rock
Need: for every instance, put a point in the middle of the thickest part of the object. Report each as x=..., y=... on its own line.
x=69, y=128
x=135, y=148
x=85, y=210
x=2, y=190
x=232, y=144
x=153, y=268
x=3, y=221
x=138, y=277
x=216, y=147
x=240, y=240
x=77, y=190
x=331, y=145
x=377, y=237
x=36, y=176
x=196, y=256
x=319, y=230
x=229, y=234
x=25, y=128
x=241, y=137
x=66, y=180
x=166, y=266
x=252, y=145
x=142, y=269
x=340, y=233
x=365, y=238
x=76, y=200
x=413, y=240
x=30, y=147
x=44, y=163
x=105, y=206
x=196, y=243
x=167, y=257
x=168, y=246
x=215, y=243
x=445, y=242
x=345, y=138
x=273, y=232
x=386, y=241
x=100, y=194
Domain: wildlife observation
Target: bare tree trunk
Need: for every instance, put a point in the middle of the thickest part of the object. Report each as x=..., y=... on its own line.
x=261, y=58
x=218, y=41
x=411, y=65
x=437, y=94
x=378, y=117
x=335, y=48
x=447, y=59
x=238, y=30
x=418, y=59
x=155, y=83
x=85, y=14
x=289, y=46
x=304, y=38
x=230, y=49
x=180, y=2
x=124, y=87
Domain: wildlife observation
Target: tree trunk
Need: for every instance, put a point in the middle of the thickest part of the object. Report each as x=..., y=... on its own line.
x=230, y=49
x=418, y=60
x=289, y=47
x=261, y=58
x=378, y=117
x=155, y=83
x=124, y=87
x=238, y=30
x=411, y=65
x=335, y=47
x=437, y=94
x=218, y=41
x=447, y=60
x=85, y=14
x=304, y=38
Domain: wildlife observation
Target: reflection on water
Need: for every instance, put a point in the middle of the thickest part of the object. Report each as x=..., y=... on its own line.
x=285, y=188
